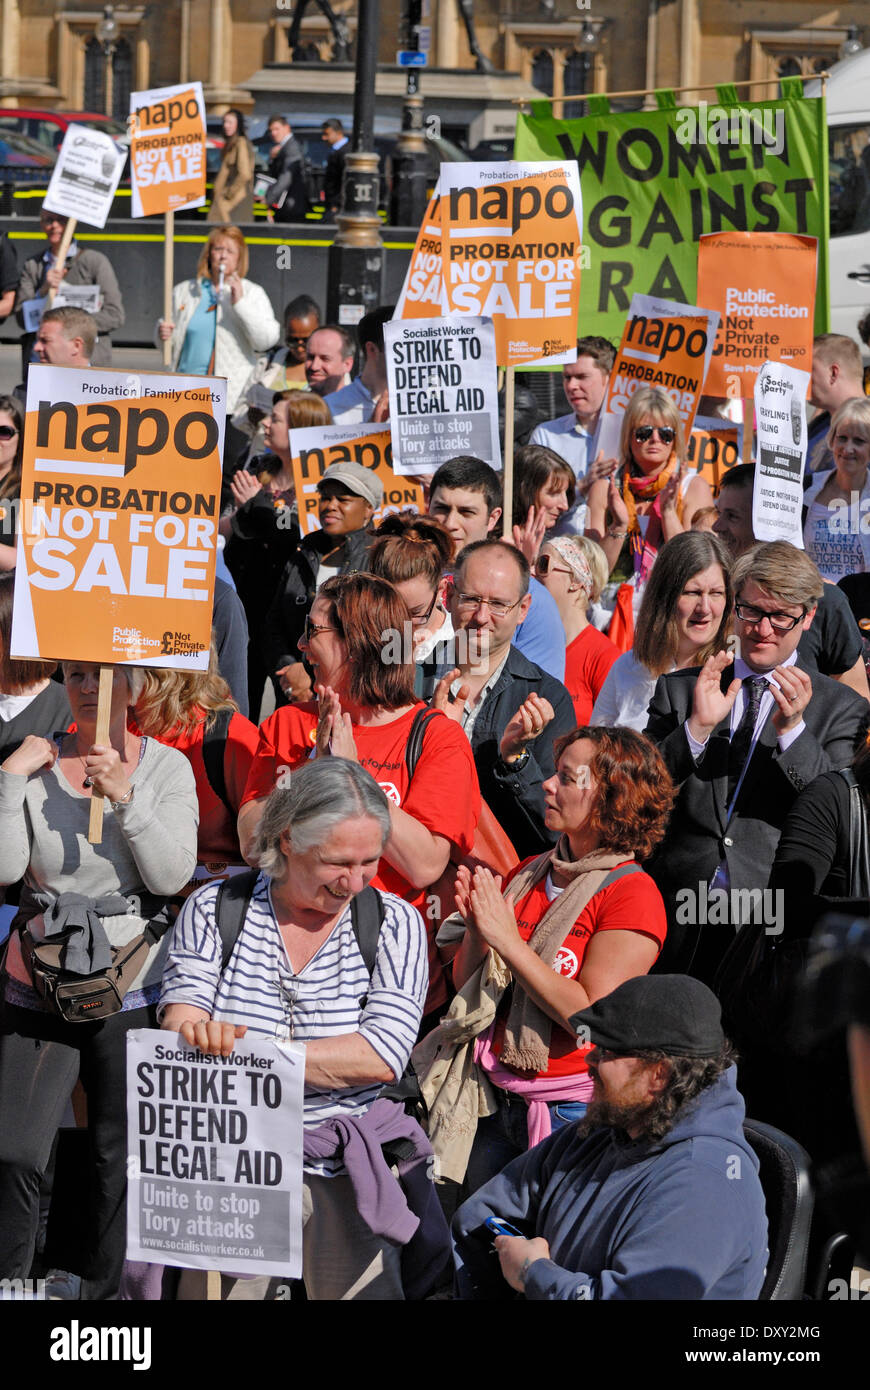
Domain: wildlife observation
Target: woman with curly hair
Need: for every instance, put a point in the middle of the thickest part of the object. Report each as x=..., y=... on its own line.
x=651, y=497
x=573, y=923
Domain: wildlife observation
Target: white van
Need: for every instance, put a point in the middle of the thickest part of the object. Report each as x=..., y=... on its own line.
x=847, y=94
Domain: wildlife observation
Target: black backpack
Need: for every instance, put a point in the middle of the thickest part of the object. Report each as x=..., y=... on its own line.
x=367, y=915
x=214, y=746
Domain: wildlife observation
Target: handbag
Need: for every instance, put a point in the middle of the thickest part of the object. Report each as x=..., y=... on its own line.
x=758, y=975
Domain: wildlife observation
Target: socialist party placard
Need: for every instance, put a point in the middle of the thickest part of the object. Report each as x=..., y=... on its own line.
x=214, y=1154
x=780, y=451
x=118, y=517
x=443, y=387
x=512, y=252
x=85, y=177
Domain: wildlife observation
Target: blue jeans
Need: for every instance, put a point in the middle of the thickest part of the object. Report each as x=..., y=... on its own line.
x=503, y=1136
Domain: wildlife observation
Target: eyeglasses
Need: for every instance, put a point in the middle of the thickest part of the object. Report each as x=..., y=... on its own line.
x=544, y=566
x=497, y=607
x=8, y=431
x=310, y=629
x=644, y=433
x=780, y=622
x=421, y=619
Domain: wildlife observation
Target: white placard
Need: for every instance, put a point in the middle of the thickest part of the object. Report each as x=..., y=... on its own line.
x=214, y=1148
x=443, y=385
x=780, y=452
x=86, y=175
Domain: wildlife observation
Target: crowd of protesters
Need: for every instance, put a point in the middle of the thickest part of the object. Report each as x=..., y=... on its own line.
x=534, y=760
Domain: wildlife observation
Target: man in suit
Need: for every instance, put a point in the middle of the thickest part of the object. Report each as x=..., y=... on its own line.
x=741, y=738
x=332, y=131
x=287, y=196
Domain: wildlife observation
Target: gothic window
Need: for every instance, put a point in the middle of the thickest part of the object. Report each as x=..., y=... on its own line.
x=577, y=69
x=122, y=73
x=95, y=75
x=542, y=72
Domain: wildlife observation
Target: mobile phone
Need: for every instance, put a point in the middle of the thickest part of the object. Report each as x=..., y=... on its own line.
x=497, y=1227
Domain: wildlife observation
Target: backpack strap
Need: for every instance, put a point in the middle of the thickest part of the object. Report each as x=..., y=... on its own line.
x=623, y=871
x=214, y=747
x=231, y=908
x=367, y=916
x=414, y=746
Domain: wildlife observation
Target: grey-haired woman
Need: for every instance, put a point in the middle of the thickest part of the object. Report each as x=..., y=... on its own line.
x=297, y=972
x=119, y=887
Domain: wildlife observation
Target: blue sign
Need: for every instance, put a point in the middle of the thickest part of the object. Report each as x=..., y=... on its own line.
x=411, y=59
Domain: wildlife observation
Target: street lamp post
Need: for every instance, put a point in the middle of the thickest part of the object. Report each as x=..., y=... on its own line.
x=107, y=36
x=408, y=192
x=356, y=258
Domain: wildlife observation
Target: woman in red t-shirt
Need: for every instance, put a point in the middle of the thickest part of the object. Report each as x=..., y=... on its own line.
x=356, y=635
x=574, y=570
x=574, y=924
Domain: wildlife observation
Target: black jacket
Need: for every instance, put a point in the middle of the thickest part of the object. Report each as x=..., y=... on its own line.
x=298, y=586
x=514, y=796
x=288, y=171
x=700, y=836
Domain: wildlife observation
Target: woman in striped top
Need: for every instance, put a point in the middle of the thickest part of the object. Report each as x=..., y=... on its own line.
x=297, y=972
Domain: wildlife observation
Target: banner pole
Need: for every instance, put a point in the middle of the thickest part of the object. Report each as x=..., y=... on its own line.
x=748, y=422
x=168, y=254
x=507, y=528
x=69, y=232
x=104, y=711
x=213, y=1285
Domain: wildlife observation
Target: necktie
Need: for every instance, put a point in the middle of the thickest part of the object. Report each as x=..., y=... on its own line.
x=741, y=739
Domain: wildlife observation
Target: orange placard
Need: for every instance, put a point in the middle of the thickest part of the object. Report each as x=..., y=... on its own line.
x=118, y=522
x=713, y=447
x=167, y=149
x=764, y=286
x=314, y=450
x=421, y=292
x=512, y=252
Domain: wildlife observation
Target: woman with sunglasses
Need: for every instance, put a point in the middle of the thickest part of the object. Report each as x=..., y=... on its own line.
x=574, y=570
x=684, y=617
x=365, y=709
x=651, y=498
x=11, y=442
x=411, y=553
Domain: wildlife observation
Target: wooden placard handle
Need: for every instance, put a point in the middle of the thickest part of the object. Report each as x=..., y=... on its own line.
x=507, y=520
x=69, y=232
x=104, y=712
x=748, y=422
x=168, y=275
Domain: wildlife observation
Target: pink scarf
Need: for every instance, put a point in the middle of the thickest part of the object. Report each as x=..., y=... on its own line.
x=539, y=1092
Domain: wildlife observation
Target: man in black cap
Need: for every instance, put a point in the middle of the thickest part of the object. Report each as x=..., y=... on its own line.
x=655, y=1194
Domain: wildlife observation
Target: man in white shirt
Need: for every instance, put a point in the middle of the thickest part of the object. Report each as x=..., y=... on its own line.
x=571, y=436
x=366, y=397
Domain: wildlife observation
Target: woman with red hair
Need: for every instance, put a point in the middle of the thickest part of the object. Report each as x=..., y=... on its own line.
x=357, y=641
x=572, y=924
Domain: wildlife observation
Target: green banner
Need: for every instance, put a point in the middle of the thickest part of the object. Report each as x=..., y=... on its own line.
x=655, y=181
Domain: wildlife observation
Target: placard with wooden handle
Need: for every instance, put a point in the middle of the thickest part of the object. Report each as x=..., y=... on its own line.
x=168, y=262
x=104, y=712
x=69, y=232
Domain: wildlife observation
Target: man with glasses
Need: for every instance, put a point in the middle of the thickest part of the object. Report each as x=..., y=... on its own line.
x=741, y=738
x=510, y=708
x=82, y=267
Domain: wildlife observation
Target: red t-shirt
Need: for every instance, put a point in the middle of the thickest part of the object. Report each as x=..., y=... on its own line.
x=444, y=795
x=632, y=903
x=217, y=839
x=587, y=660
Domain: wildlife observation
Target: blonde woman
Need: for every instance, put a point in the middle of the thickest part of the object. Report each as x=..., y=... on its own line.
x=651, y=497
x=574, y=570
x=194, y=712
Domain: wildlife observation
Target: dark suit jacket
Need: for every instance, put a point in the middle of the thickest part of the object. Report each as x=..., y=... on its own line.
x=333, y=176
x=515, y=797
x=699, y=837
x=288, y=170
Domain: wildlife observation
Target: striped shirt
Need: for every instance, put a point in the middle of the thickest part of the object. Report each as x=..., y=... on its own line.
x=330, y=996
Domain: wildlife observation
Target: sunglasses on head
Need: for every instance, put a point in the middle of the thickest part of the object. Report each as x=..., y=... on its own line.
x=644, y=433
x=8, y=431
